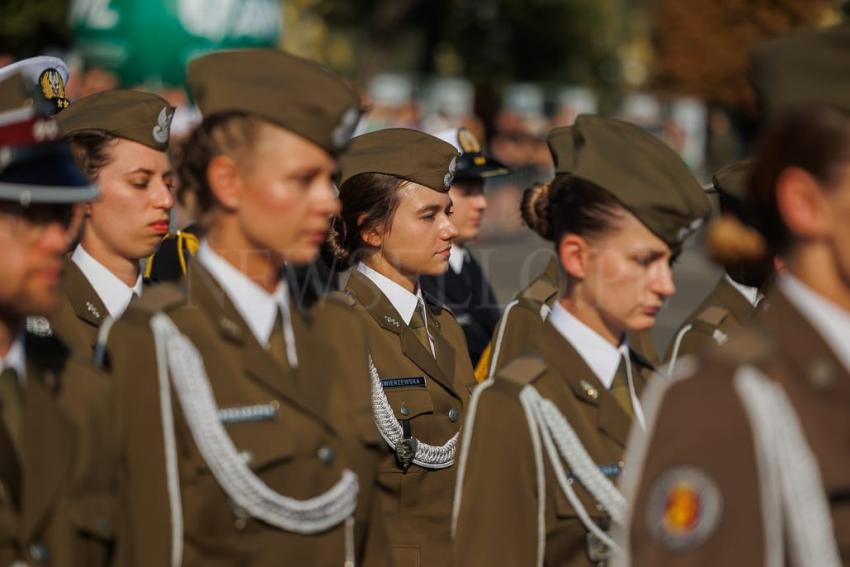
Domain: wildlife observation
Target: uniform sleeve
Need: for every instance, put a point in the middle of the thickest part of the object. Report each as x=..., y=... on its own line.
x=697, y=500
x=145, y=513
x=497, y=520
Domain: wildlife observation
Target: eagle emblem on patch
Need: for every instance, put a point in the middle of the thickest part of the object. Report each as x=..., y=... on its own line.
x=450, y=176
x=685, y=506
x=162, y=130
x=53, y=88
x=468, y=142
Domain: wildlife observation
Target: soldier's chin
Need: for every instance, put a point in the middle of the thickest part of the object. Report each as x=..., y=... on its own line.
x=302, y=255
x=436, y=268
x=39, y=304
x=642, y=322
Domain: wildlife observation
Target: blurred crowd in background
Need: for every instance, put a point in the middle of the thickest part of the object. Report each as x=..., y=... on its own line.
x=510, y=70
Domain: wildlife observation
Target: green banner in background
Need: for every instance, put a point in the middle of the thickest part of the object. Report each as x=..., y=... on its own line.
x=149, y=42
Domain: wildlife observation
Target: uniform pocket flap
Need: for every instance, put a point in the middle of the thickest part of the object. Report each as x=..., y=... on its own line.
x=408, y=403
x=263, y=443
x=367, y=431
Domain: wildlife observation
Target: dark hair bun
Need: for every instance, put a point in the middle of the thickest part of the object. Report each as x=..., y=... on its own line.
x=534, y=208
x=337, y=241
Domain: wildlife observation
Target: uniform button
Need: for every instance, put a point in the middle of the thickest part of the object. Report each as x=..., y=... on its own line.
x=40, y=553
x=454, y=415
x=405, y=411
x=327, y=455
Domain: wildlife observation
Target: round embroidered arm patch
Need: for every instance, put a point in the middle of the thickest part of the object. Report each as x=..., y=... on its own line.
x=684, y=508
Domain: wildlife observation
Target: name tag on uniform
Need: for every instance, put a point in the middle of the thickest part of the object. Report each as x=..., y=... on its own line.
x=242, y=414
x=404, y=382
x=611, y=471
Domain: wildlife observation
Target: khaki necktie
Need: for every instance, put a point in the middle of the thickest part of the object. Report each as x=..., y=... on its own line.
x=417, y=325
x=620, y=388
x=11, y=405
x=277, y=342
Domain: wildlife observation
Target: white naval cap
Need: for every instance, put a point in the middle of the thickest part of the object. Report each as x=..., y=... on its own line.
x=42, y=74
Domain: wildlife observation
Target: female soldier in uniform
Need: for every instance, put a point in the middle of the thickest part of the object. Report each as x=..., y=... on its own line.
x=246, y=436
x=120, y=140
x=746, y=459
x=523, y=316
x=396, y=221
x=732, y=302
x=543, y=441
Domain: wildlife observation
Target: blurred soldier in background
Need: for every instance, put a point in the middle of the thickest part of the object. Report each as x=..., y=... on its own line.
x=745, y=459
x=56, y=462
x=464, y=287
x=733, y=301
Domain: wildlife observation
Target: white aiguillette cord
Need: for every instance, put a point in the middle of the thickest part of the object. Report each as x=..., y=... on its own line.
x=178, y=357
x=427, y=456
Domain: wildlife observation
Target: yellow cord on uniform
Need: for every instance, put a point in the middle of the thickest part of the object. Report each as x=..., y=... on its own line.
x=192, y=244
x=483, y=366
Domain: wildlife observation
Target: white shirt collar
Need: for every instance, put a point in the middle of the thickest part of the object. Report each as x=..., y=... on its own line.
x=114, y=293
x=602, y=357
x=256, y=306
x=457, y=258
x=403, y=301
x=831, y=321
x=16, y=358
x=752, y=294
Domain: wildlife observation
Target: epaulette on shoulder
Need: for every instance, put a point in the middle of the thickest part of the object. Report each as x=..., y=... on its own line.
x=540, y=291
x=712, y=315
x=161, y=297
x=747, y=346
x=341, y=298
x=523, y=370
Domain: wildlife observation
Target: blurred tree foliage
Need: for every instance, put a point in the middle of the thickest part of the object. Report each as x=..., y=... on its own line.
x=701, y=46
x=28, y=27
x=488, y=41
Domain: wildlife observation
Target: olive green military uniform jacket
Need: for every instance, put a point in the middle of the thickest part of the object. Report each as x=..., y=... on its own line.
x=81, y=311
x=700, y=492
x=416, y=501
x=722, y=314
x=500, y=501
x=298, y=431
x=522, y=318
x=57, y=500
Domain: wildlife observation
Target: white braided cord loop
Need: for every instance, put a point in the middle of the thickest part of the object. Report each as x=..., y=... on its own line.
x=239, y=482
x=427, y=456
x=782, y=443
x=561, y=442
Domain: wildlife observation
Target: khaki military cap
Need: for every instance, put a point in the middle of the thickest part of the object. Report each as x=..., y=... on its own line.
x=645, y=175
x=560, y=142
x=133, y=115
x=408, y=154
x=803, y=69
x=296, y=94
x=731, y=180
